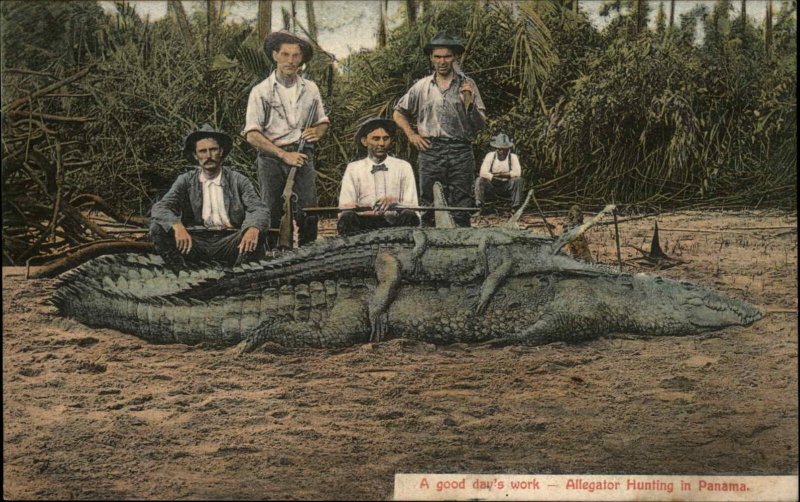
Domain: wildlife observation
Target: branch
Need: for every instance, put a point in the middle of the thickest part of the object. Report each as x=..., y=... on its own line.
x=44, y=90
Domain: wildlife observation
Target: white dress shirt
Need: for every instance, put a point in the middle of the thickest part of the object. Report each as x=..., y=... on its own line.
x=363, y=188
x=492, y=165
x=214, y=213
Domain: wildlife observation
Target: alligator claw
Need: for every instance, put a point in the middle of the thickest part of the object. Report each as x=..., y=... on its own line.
x=378, y=331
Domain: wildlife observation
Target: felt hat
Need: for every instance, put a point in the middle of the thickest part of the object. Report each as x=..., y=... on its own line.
x=206, y=131
x=501, y=140
x=373, y=123
x=444, y=39
x=274, y=40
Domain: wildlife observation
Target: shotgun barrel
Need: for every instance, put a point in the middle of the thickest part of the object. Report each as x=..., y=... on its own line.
x=359, y=209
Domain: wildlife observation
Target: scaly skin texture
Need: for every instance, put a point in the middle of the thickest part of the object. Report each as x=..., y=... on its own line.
x=335, y=293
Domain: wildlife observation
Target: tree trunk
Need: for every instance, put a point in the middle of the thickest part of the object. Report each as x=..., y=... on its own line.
x=312, y=19
x=382, y=25
x=176, y=7
x=411, y=12
x=287, y=19
x=219, y=7
x=294, y=15
x=426, y=5
x=264, y=18
x=637, y=9
x=211, y=16
x=671, y=13
x=768, y=29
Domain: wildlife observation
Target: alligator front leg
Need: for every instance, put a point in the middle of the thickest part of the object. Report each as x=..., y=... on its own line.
x=491, y=279
x=420, y=246
x=387, y=272
x=346, y=325
x=491, y=283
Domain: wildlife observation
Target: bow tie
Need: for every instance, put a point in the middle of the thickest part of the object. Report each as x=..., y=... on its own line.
x=379, y=167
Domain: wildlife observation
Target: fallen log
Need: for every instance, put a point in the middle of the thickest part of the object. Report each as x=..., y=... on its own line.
x=85, y=254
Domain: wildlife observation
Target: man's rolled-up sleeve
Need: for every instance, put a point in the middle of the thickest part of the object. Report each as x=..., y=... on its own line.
x=408, y=103
x=256, y=114
x=321, y=117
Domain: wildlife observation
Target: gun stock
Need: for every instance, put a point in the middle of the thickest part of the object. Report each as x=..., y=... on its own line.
x=286, y=239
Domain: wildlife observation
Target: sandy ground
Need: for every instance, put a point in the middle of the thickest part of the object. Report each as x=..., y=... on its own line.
x=97, y=414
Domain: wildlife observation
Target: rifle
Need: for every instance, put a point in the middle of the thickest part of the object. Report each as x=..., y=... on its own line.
x=360, y=209
x=286, y=238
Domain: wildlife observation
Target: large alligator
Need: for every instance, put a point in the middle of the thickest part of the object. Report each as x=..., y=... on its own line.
x=437, y=285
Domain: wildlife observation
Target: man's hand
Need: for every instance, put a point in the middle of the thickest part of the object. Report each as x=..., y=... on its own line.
x=296, y=159
x=467, y=87
x=419, y=142
x=312, y=134
x=183, y=241
x=249, y=240
x=385, y=204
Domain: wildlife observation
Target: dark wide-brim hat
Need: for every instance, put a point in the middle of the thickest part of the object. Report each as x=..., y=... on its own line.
x=501, y=140
x=371, y=124
x=274, y=40
x=206, y=131
x=444, y=39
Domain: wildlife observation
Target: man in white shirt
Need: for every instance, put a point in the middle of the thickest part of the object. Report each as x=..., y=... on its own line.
x=379, y=181
x=277, y=110
x=211, y=212
x=500, y=173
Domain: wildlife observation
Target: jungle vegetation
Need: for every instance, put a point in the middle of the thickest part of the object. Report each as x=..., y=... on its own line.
x=698, y=111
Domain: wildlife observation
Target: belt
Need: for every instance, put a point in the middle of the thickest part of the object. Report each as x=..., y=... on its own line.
x=448, y=141
x=292, y=147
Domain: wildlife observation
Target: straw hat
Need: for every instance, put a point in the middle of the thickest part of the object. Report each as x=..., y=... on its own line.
x=501, y=140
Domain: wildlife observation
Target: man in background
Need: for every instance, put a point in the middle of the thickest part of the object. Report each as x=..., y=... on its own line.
x=500, y=173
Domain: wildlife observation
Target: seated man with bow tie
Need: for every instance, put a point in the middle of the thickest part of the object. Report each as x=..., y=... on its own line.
x=378, y=182
x=210, y=213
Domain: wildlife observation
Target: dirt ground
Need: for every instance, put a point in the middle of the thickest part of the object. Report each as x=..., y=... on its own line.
x=98, y=414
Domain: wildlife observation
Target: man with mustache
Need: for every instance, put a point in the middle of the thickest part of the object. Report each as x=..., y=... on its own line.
x=449, y=111
x=211, y=212
x=277, y=110
x=378, y=181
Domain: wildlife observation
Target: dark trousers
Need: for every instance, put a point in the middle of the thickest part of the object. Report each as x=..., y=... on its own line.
x=350, y=222
x=272, y=175
x=499, y=187
x=207, y=245
x=452, y=164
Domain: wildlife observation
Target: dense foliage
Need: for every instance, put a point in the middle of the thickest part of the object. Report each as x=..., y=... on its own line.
x=629, y=114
